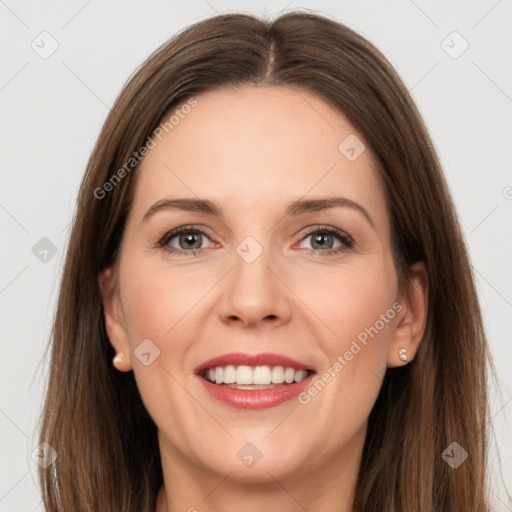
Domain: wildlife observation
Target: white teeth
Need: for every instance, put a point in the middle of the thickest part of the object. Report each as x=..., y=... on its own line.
x=229, y=374
x=289, y=375
x=243, y=375
x=277, y=375
x=300, y=375
x=258, y=375
x=261, y=375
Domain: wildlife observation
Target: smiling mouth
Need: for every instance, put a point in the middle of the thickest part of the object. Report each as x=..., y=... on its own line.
x=254, y=377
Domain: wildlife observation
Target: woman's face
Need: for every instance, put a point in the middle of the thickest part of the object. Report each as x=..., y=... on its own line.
x=261, y=277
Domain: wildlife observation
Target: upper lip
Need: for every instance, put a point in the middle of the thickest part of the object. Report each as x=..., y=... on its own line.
x=238, y=358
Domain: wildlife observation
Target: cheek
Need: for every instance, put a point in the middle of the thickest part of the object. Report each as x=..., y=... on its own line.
x=156, y=299
x=359, y=310
x=350, y=301
x=365, y=303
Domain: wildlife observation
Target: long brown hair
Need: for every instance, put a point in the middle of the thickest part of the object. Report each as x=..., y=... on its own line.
x=108, y=454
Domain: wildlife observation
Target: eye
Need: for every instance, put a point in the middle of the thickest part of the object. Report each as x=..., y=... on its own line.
x=323, y=239
x=188, y=239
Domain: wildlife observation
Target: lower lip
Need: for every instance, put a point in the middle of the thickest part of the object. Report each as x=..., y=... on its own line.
x=255, y=398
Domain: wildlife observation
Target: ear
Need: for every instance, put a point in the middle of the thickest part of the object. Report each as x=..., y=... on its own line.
x=114, y=320
x=412, y=318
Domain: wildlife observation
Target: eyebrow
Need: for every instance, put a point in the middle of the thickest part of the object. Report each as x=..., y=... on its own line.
x=294, y=208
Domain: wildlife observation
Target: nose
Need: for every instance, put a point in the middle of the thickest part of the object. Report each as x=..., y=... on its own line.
x=255, y=293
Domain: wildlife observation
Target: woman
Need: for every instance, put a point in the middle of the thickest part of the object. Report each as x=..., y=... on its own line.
x=319, y=344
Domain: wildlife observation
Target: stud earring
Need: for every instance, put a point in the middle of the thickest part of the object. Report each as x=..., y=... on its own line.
x=118, y=358
x=401, y=354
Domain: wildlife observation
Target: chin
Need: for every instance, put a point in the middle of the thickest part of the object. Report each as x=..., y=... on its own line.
x=260, y=461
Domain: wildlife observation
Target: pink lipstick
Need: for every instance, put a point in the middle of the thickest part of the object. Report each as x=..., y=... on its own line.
x=254, y=381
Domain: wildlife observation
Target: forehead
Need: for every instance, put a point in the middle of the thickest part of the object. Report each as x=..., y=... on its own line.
x=258, y=146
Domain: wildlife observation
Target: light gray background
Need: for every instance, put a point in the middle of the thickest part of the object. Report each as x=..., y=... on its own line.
x=52, y=110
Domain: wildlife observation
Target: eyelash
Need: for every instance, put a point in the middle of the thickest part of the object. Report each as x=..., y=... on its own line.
x=345, y=239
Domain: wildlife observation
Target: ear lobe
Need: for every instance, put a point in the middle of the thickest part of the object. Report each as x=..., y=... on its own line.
x=411, y=323
x=113, y=316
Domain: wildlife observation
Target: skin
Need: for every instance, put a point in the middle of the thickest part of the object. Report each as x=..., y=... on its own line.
x=253, y=150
